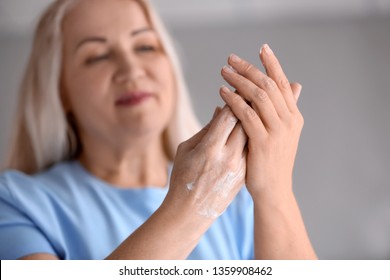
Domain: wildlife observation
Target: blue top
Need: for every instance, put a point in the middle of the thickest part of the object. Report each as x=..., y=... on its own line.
x=68, y=212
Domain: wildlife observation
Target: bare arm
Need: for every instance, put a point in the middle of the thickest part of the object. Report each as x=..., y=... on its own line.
x=208, y=172
x=40, y=256
x=166, y=234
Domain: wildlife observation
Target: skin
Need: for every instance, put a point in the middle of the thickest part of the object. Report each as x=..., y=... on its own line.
x=124, y=146
x=109, y=50
x=273, y=125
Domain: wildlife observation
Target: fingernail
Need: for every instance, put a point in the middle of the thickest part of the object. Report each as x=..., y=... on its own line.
x=228, y=69
x=225, y=90
x=266, y=49
x=234, y=58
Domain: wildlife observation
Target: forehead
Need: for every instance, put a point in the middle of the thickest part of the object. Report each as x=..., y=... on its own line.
x=103, y=17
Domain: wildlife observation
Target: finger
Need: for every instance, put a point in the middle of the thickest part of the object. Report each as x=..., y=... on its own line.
x=258, y=98
x=260, y=79
x=216, y=112
x=275, y=72
x=220, y=128
x=296, y=89
x=237, y=139
x=194, y=140
x=250, y=121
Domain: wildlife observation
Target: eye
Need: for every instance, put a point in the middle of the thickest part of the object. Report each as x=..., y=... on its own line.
x=97, y=59
x=146, y=48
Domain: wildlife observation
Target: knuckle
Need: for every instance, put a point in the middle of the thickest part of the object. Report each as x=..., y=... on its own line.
x=259, y=95
x=219, y=123
x=300, y=120
x=227, y=122
x=248, y=68
x=250, y=114
x=284, y=84
x=296, y=121
x=269, y=84
x=207, y=147
x=241, y=80
x=232, y=119
x=230, y=164
x=236, y=99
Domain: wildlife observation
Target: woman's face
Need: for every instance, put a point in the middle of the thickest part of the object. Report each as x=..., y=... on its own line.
x=117, y=80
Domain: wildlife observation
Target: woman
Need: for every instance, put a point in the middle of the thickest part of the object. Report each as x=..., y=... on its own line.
x=103, y=109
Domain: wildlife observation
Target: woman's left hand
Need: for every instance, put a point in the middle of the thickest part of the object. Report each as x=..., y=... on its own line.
x=266, y=106
x=269, y=115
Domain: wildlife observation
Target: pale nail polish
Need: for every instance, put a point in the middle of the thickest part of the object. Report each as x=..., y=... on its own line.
x=225, y=90
x=261, y=49
x=228, y=69
x=234, y=58
x=267, y=49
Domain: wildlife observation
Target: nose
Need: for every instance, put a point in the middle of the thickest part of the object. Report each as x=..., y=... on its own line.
x=129, y=69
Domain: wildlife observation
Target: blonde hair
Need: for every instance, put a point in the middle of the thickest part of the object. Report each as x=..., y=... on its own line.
x=43, y=136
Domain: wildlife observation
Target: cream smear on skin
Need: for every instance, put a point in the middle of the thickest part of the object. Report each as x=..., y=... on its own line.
x=221, y=190
x=211, y=204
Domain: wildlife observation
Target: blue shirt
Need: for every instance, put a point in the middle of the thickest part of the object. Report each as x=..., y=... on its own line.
x=68, y=212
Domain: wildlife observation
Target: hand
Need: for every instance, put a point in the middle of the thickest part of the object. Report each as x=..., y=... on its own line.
x=209, y=169
x=271, y=121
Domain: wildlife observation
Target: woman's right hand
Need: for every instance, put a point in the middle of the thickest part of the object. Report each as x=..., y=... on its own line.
x=208, y=172
x=209, y=168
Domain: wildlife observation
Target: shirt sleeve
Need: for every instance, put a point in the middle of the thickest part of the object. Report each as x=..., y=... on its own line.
x=19, y=236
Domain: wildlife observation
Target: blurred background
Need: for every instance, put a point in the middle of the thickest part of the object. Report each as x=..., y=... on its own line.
x=338, y=50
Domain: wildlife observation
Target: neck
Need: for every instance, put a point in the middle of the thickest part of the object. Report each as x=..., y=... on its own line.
x=138, y=165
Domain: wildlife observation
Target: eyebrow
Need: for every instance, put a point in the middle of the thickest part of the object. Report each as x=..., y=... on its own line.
x=104, y=40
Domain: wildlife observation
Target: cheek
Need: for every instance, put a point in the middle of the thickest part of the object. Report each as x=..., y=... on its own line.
x=85, y=99
x=85, y=88
x=168, y=83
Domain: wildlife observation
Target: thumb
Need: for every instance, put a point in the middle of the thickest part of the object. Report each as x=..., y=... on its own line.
x=296, y=89
x=194, y=140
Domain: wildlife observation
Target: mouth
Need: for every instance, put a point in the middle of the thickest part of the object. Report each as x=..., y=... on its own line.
x=133, y=98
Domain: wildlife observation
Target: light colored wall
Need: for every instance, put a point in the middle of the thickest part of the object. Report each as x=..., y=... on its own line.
x=342, y=169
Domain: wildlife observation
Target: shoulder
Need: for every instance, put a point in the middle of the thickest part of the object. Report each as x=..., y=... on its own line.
x=58, y=170
x=30, y=207
x=18, y=186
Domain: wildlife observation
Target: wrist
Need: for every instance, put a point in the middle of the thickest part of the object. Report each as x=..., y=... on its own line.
x=271, y=192
x=187, y=219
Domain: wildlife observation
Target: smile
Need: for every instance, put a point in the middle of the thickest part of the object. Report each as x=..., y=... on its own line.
x=133, y=98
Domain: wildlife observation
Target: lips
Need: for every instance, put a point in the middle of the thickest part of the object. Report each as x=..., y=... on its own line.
x=133, y=98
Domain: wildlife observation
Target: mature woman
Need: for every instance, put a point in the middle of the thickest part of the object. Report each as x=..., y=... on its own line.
x=96, y=170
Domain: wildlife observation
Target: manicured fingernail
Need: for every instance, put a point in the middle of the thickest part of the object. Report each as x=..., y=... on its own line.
x=225, y=90
x=228, y=69
x=234, y=58
x=266, y=49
